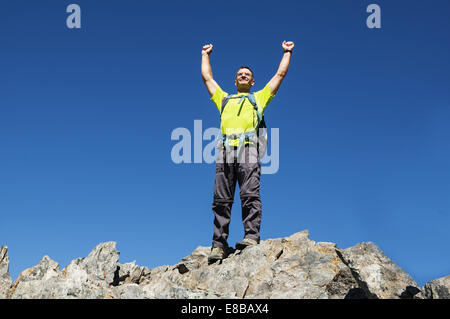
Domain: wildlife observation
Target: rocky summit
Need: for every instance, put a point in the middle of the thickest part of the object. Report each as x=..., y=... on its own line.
x=293, y=267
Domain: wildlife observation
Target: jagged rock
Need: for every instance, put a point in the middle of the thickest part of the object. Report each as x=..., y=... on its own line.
x=101, y=263
x=438, y=288
x=377, y=275
x=130, y=273
x=88, y=277
x=290, y=267
x=40, y=281
x=293, y=267
x=5, y=277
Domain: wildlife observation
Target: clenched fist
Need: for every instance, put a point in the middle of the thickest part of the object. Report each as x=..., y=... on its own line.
x=207, y=49
x=287, y=45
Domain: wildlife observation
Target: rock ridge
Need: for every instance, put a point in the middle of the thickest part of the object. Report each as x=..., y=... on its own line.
x=292, y=267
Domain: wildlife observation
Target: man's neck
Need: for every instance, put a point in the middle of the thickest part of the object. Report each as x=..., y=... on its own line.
x=245, y=91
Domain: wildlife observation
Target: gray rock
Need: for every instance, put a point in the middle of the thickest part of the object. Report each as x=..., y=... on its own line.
x=438, y=288
x=101, y=263
x=126, y=291
x=130, y=273
x=40, y=281
x=377, y=275
x=5, y=277
x=306, y=269
x=293, y=267
x=87, y=278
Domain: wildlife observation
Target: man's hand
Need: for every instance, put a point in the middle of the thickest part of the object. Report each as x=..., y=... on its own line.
x=287, y=45
x=207, y=49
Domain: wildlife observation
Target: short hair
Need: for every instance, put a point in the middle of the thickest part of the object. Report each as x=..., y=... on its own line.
x=246, y=67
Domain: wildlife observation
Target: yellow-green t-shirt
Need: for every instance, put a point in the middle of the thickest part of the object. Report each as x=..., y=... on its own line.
x=238, y=118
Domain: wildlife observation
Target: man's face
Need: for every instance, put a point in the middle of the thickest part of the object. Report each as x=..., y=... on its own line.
x=244, y=79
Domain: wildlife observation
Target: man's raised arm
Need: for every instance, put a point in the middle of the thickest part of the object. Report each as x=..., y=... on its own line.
x=275, y=82
x=207, y=76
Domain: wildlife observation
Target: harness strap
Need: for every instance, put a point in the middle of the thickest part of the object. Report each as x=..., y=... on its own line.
x=246, y=136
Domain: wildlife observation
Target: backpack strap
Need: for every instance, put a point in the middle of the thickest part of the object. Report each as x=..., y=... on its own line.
x=224, y=102
x=251, y=98
x=261, y=123
x=248, y=135
x=227, y=98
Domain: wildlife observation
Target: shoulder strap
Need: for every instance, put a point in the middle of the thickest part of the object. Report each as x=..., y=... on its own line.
x=251, y=98
x=224, y=102
x=227, y=98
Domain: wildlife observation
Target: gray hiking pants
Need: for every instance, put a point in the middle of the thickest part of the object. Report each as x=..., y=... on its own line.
x=246, y=171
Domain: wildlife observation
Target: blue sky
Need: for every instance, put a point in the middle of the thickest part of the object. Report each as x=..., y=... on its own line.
x=86, y=117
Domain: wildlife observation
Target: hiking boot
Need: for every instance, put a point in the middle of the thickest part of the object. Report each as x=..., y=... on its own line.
x=246, y=242
x=217, y=253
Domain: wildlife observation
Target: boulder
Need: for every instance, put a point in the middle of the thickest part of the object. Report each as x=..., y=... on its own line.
x=377, y=275
x=438, y=288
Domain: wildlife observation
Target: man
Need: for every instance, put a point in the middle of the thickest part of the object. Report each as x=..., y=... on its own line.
x=238, y=159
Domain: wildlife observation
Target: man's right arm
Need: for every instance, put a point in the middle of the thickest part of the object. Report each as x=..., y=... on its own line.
x=207, y=76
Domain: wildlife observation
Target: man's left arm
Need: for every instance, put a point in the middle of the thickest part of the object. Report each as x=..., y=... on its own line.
x=275, y=82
